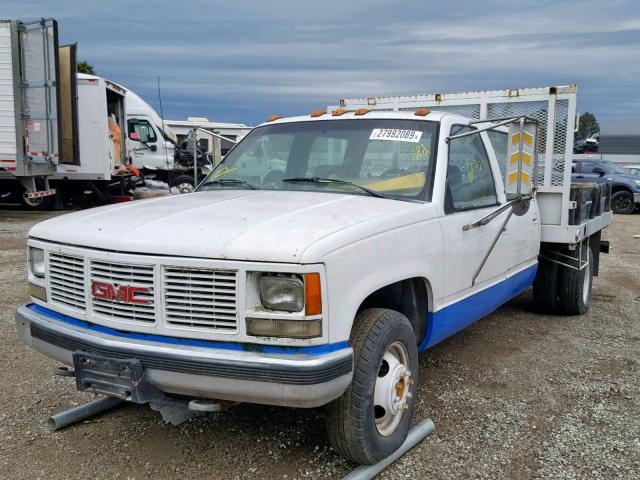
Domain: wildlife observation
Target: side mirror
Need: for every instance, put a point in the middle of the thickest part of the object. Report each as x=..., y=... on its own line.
x=599, y=170
x=153, y=147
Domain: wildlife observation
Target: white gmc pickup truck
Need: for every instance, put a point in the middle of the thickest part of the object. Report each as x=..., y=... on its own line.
x=325, y=251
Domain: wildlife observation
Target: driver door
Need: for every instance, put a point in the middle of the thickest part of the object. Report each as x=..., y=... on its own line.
x=144, y=154
x=471, y=193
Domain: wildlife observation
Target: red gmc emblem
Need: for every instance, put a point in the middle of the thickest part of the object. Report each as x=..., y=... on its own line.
x=120, y=293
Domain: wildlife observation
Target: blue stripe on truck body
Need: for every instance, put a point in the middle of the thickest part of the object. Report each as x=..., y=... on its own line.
x=453, y=318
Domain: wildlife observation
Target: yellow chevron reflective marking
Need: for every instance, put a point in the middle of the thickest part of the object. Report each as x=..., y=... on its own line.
x=527, y=138
x=526, y=158
x=513, y=178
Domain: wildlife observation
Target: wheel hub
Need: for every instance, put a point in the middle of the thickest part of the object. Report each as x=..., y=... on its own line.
x=391, y=395
x=185, y=188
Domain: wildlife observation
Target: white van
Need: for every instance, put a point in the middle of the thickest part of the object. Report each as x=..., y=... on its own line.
x=150, y=142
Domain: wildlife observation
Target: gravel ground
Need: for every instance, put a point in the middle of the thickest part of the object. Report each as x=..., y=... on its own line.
x=517, y=395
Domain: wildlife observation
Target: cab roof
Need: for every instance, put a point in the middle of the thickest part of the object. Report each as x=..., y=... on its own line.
x=433, y=116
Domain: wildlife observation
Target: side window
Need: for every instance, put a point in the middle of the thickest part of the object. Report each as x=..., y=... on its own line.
x=588, y=166
x=470, y=181
x=499, y=142
x=136, y=127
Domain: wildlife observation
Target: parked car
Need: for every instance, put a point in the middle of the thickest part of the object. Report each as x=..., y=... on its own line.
x=586, y=145
x=625, y=186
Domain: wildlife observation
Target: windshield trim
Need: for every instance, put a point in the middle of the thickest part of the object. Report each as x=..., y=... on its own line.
x=424, y=196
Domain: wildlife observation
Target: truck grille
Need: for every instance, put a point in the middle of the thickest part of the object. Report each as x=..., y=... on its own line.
x=66, y=280
x=200, y=298
x=124, y=274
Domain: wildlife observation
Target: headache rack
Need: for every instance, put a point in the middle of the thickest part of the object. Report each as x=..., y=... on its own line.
x=554, y=109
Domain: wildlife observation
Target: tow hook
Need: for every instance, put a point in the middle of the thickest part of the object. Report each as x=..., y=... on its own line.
x=63, y=371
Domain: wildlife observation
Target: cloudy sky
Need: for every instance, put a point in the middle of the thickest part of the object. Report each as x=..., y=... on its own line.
x=239, y=61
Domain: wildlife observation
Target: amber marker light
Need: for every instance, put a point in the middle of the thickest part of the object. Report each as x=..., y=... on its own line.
x=312, y=294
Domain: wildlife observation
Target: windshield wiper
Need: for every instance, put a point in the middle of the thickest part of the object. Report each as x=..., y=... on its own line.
x=229, y=181
x=333, y=180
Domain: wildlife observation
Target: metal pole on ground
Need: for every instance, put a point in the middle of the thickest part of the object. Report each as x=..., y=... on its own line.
x=81, y=412
x=415, y=436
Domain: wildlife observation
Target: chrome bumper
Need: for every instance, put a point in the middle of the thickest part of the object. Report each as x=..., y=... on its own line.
x=636, y=197
x=296, y=380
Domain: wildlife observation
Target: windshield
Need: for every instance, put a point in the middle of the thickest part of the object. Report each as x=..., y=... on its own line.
x=610, y=167
x=390, y=158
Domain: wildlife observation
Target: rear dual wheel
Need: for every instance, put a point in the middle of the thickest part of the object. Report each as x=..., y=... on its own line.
x=371, y=419
x=562, y=289
x=574, y=290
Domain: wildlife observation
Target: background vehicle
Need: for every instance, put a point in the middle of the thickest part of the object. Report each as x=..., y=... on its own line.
x=385, y=233
x=63, y=134
x=95, y=173
x=586, y=145
x=625, y=187
x=35, y=94
x=157, y=151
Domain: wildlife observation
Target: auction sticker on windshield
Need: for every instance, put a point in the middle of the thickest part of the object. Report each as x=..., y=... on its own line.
x=396, y=134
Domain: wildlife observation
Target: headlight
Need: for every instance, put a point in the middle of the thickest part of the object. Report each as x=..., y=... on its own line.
x=637, y=182
x=284, y=293
x=36, y=261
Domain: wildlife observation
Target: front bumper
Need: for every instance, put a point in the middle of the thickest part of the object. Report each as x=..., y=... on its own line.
x=636, y=197
x=296, y=380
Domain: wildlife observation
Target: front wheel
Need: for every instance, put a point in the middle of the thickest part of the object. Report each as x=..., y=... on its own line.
x=371, y=419
x=184, y=184
x=38, y=203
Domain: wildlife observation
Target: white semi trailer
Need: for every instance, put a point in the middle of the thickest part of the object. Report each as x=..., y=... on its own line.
x=62, y=134
x=32, y=136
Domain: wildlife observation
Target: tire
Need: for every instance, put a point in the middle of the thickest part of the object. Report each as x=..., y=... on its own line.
x=378, y=337
x=41, y=203
x=545, y=287
x=184, y=183
x=575, y=285
x=622, y=202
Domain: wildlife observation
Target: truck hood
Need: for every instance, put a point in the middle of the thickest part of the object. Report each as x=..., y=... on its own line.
x=626, y=178
x=276, y=226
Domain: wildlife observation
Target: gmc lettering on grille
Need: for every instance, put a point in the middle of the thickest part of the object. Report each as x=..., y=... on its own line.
x=119, y=293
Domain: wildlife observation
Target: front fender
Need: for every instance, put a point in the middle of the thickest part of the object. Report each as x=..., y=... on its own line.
x=359, y=269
